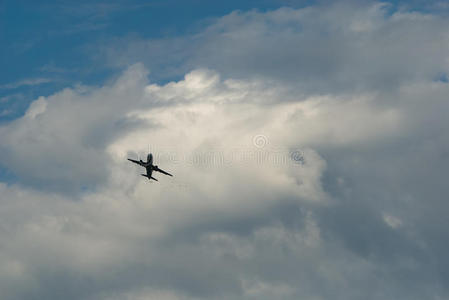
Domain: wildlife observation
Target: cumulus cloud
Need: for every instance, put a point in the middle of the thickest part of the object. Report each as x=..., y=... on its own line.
x=319, y=49
x=289, y=183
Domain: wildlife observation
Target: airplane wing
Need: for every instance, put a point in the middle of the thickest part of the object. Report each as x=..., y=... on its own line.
x=135, y=161
x=162, y=171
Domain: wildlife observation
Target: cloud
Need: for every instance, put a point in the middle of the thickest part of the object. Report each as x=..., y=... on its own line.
x=65, y=133
x=36, y=108
x=26, y=82
x=319, y=49
x=280, y=190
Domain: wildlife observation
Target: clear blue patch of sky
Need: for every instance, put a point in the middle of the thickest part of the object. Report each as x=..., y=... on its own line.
x=442, y=77
x=6, y=176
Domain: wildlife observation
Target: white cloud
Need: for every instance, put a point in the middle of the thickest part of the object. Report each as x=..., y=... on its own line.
x=338, y=48
x=26, y=82
x=36, y=108
x=392, y=221
x=278, y=190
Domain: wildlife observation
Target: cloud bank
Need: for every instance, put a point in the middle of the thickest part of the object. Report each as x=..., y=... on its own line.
x=309, y=149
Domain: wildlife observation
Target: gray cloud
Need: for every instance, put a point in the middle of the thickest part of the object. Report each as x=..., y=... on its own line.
x=361, y=216
x=321, y=49
x=61, y=137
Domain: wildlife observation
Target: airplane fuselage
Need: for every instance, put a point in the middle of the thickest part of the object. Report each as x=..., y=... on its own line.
x=149, y=167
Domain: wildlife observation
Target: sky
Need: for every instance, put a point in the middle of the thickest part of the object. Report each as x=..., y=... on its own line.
x=308, y=142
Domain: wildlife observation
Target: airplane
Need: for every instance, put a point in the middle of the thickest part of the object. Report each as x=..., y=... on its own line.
x=149, y=167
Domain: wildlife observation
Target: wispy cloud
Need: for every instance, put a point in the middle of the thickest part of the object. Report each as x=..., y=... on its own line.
x=51, y=68
x=91, y=16
x=6, y=112
x=26, y=82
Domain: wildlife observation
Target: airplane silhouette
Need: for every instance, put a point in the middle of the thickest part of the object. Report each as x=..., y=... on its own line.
x=148, y=165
